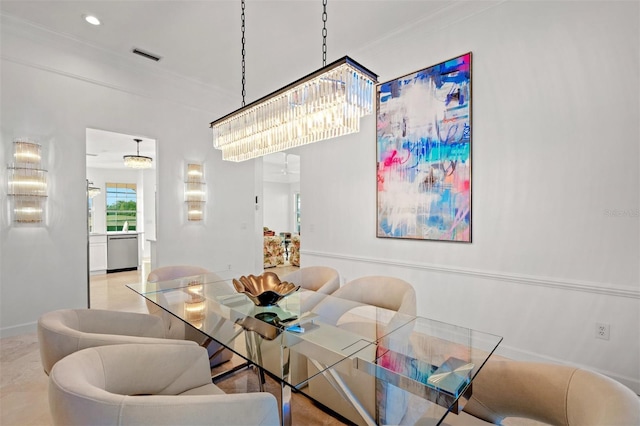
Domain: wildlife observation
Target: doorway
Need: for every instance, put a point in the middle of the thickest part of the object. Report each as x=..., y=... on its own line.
x=281, y=195
x=120, y=201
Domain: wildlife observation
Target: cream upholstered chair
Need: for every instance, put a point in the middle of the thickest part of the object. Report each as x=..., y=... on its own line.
x=176, y=328
x=320, y=279
x=65, y=331
x=384, y=292
x=166, y=273
x=549, y=393
x=149, y=385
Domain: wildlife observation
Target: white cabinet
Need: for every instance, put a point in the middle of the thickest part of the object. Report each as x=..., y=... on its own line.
x=98, y=253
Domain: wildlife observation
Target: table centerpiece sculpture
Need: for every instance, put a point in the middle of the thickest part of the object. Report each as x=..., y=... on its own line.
x=265, y=289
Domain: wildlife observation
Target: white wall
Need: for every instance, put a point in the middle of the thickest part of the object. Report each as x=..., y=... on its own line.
x=228, y=234
x=278, y=206
x=149, y=209
x=555, y=134
x=555, y=152
x=53, y=88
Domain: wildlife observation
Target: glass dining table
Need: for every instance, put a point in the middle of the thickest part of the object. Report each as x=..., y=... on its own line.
x=387, y=367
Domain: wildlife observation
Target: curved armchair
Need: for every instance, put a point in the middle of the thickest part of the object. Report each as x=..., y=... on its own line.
x=389, y=293
x=149, y=385
x=65, y=331
x=549, y=393
x=384, y=292
x=321, y=279
x=175, y=327
x=167, y=273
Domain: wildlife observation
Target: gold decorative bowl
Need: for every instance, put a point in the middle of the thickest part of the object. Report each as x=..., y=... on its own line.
x=265, y=289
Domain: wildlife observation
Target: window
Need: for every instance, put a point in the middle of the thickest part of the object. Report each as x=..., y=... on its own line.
x=297, y=208
x=121, y=206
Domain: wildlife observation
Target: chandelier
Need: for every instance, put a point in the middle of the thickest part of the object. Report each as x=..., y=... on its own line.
x=93, y=190
x=325, y=104
x=137, y=161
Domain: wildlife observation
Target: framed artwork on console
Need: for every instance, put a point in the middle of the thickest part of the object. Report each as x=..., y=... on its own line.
x=423, y=132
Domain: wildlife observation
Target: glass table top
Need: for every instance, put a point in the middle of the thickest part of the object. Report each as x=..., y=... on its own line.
x=210, y=303
x=431, y=360
x=308, y=337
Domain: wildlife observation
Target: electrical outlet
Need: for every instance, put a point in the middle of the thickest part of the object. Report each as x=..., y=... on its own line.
x=602, y=331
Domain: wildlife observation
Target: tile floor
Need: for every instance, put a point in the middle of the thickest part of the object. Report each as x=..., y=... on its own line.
x=23, y=383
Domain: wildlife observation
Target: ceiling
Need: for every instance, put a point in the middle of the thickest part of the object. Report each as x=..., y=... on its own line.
x=281, y=167
x=105, y=149
x=200, y=41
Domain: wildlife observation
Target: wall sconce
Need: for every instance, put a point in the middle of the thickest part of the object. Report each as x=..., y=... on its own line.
x=27, y=183
x=195, y=192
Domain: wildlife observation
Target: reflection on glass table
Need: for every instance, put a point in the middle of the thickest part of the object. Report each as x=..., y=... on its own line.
x=418, y=373
x=281, y=339
x=375, y=365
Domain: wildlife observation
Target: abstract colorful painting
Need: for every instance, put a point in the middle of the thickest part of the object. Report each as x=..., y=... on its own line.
x=424, y=153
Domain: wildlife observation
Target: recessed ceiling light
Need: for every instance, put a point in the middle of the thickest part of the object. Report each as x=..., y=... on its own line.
x=91, y=19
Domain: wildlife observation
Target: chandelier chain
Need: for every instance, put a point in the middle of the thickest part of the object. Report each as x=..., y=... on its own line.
x=244, y=92
x=324, y=32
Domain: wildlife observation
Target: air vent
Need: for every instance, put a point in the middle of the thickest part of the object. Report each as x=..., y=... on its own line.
x=146, y=54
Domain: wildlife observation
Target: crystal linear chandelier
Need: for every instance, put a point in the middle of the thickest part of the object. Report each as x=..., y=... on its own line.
x=324, y=104
x=137, y=161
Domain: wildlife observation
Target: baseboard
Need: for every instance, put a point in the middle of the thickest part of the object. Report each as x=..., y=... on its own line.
x=16, y=330
x=111, y=271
